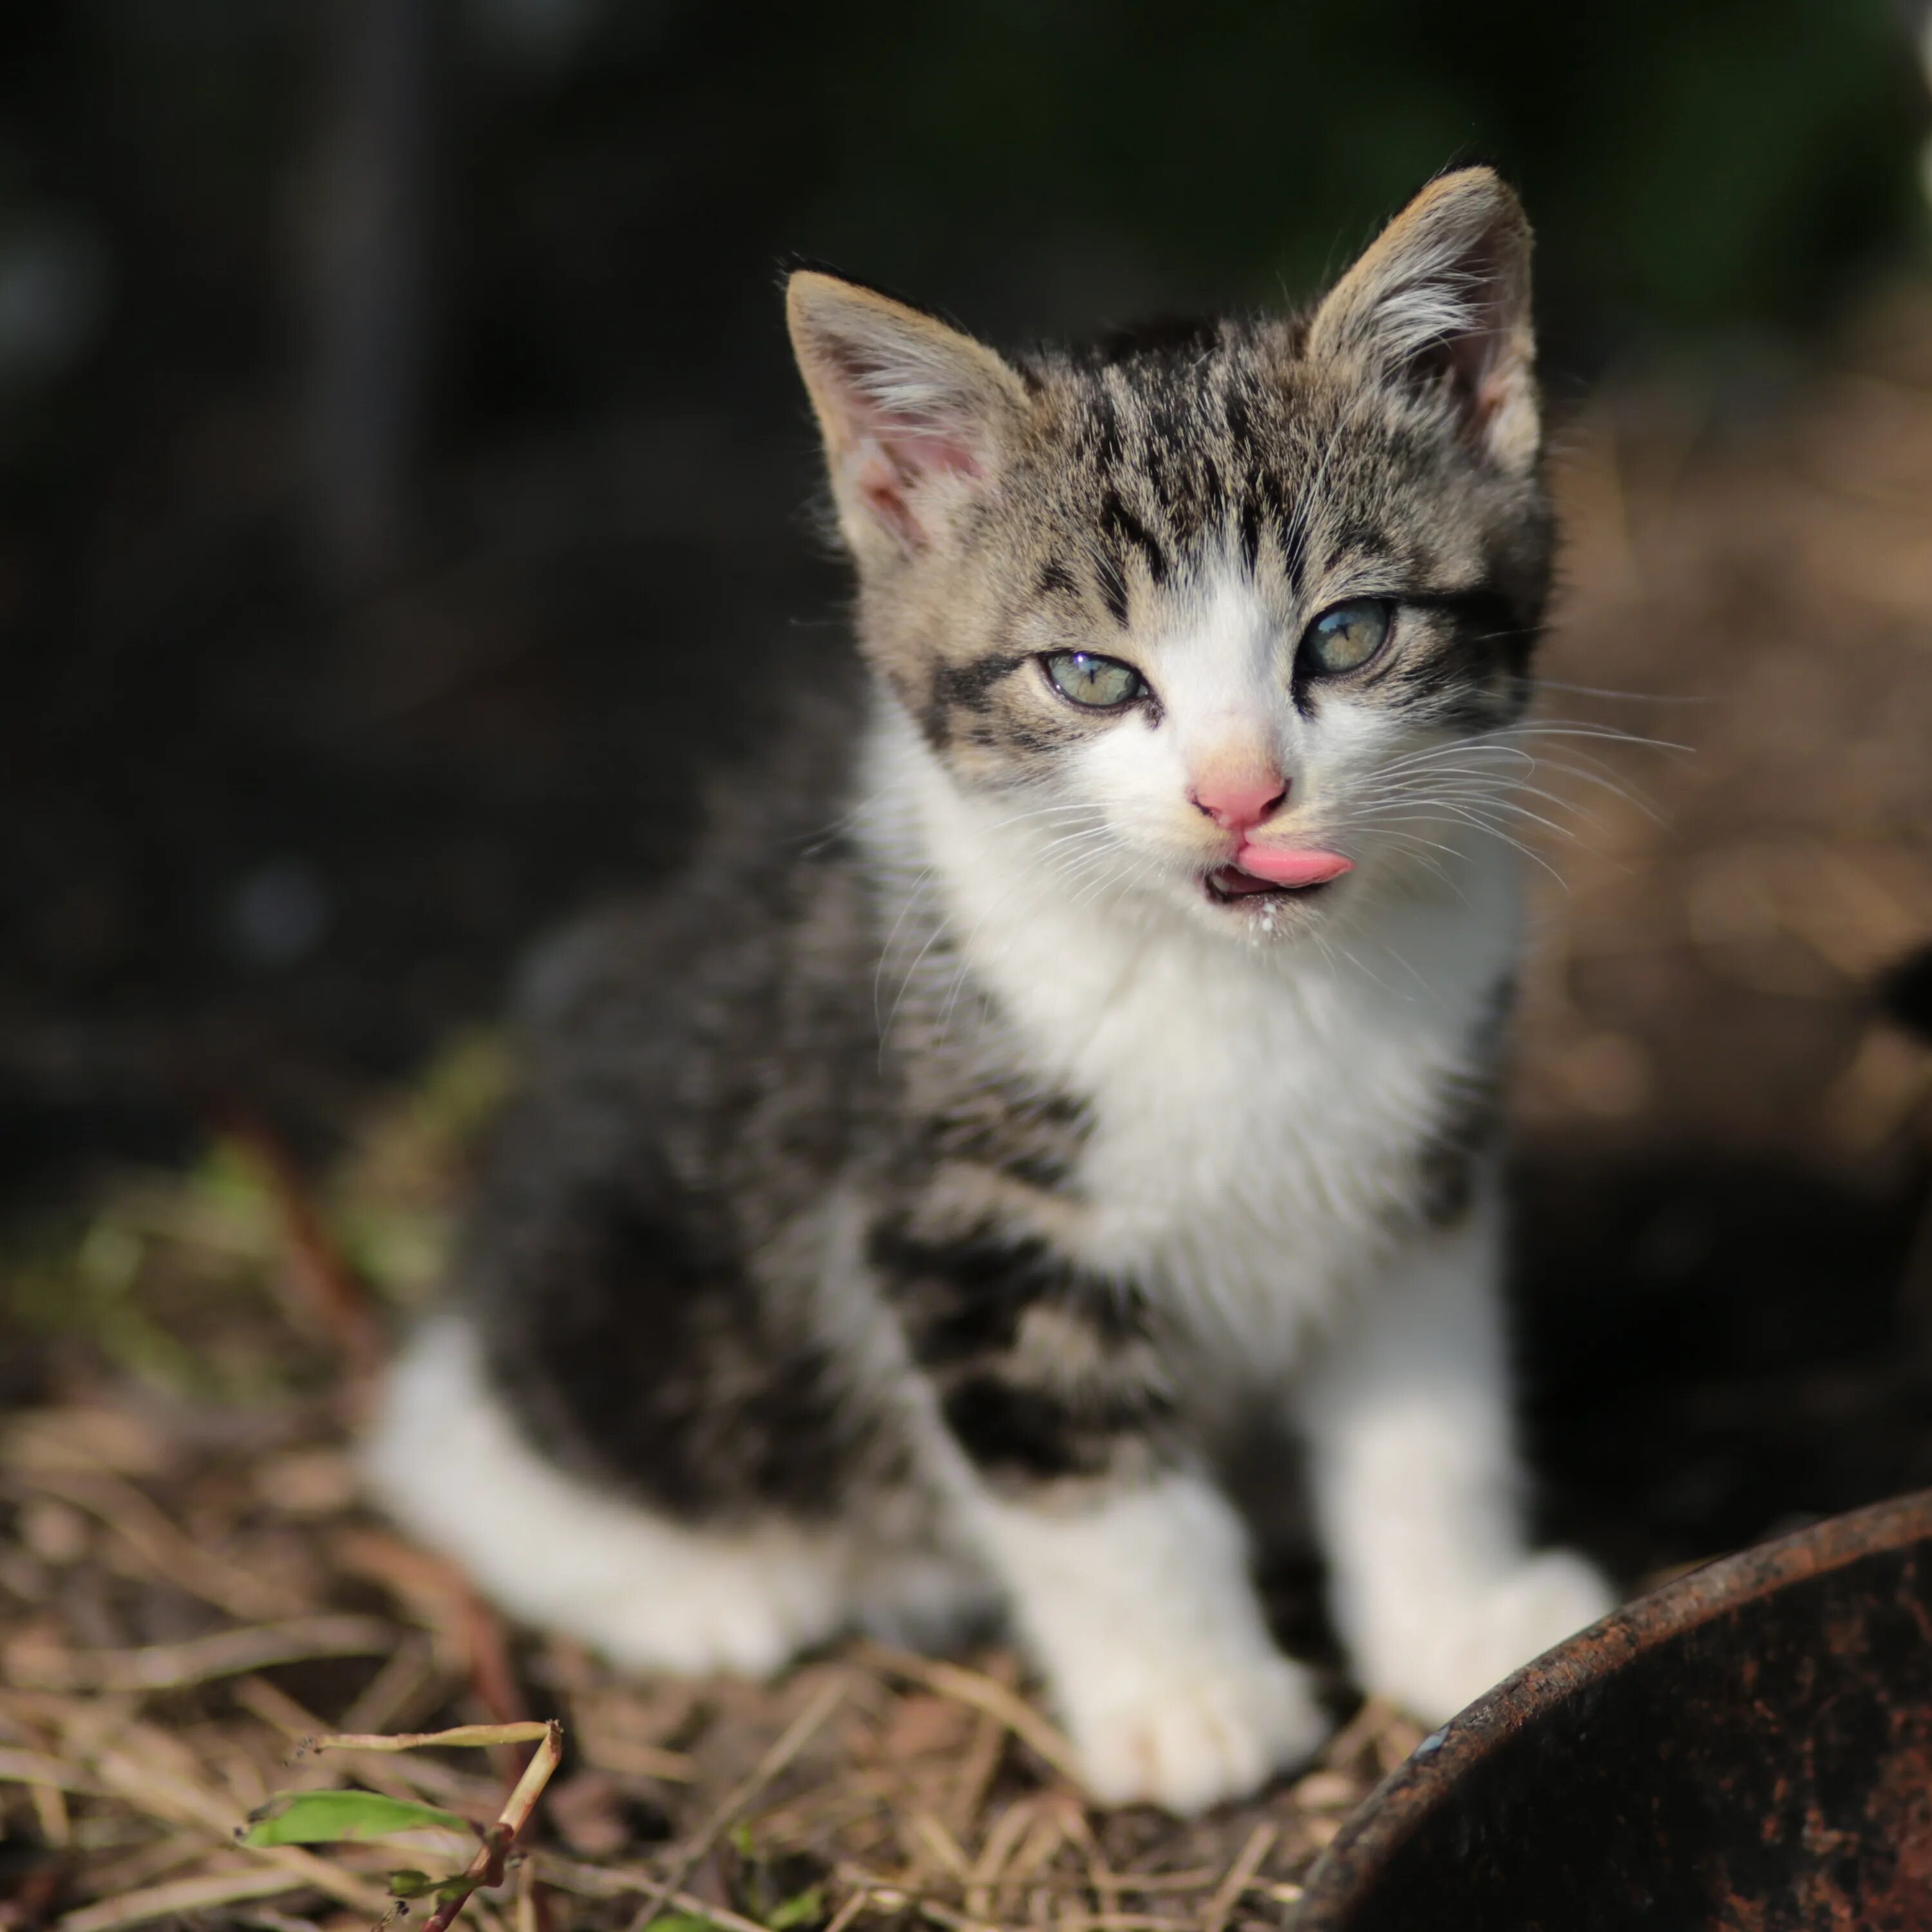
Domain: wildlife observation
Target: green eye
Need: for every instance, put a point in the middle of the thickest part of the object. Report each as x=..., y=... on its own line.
x=1347, y=637
x=1100, y=684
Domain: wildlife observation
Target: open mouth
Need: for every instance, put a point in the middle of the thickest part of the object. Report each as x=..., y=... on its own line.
x=1229, y=883
x=1273, y=874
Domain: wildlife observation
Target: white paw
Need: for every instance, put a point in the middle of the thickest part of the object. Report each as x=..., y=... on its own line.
x=1466, y=1642
x=1185, y=1738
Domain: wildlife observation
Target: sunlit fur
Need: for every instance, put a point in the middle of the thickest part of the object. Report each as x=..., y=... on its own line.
x=938, y=1194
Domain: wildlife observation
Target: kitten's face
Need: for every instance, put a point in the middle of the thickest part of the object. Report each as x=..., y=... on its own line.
x=1210, y=615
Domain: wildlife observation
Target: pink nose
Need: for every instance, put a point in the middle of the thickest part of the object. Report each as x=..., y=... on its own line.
x=1236, y=803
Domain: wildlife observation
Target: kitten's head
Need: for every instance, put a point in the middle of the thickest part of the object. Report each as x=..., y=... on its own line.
x=1211, y=605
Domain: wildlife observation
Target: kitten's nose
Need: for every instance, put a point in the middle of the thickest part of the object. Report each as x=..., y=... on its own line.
x=1240, y=800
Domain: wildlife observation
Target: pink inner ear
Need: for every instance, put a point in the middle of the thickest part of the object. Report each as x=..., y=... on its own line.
x=1492, y=392
x=1473, y=356
x=893, y=456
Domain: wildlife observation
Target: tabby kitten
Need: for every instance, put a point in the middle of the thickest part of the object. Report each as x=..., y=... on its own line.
x=923, y=1216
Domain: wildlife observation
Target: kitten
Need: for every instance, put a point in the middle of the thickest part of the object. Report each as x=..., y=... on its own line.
x=915, y=1218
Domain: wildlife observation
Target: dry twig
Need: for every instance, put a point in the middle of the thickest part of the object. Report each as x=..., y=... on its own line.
x=1260, y=1841
x=230, y=1653
x=795, y=1737
x=983, y=1693
x=486, y=1869
x=180, y=1896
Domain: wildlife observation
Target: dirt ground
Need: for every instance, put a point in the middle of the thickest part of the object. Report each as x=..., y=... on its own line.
x=1725, y=1279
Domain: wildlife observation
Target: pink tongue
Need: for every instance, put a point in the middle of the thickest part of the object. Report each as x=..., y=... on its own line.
x=1283, y=868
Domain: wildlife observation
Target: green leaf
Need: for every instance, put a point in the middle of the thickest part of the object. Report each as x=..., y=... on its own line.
x=806, y=1905
x=322, y=1817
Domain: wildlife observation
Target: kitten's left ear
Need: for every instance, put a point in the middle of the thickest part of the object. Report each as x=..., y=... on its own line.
x=913, y=412
x=1444, y=291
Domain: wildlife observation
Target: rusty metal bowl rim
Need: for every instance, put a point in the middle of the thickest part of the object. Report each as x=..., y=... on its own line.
x=1538, y=1692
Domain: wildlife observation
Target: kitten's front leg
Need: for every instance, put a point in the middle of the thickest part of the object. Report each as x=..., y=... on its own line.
x=1136, y=1602
x=1417, y=1486
x=1125, y=1572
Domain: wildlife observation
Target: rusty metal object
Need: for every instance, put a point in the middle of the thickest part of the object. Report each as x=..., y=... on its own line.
x=1749, y=1748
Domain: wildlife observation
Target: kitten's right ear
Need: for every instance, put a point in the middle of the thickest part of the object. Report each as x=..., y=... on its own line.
x=1443, y=290
x=913, y=413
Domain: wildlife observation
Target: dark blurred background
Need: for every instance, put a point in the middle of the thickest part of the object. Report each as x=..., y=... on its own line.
x=402, y=507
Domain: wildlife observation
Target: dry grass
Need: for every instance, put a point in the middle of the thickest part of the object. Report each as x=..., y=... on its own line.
x=184, y=1614
x=189, y=1588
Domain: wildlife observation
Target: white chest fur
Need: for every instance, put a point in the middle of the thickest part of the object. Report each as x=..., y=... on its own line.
x=1257, y=1107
